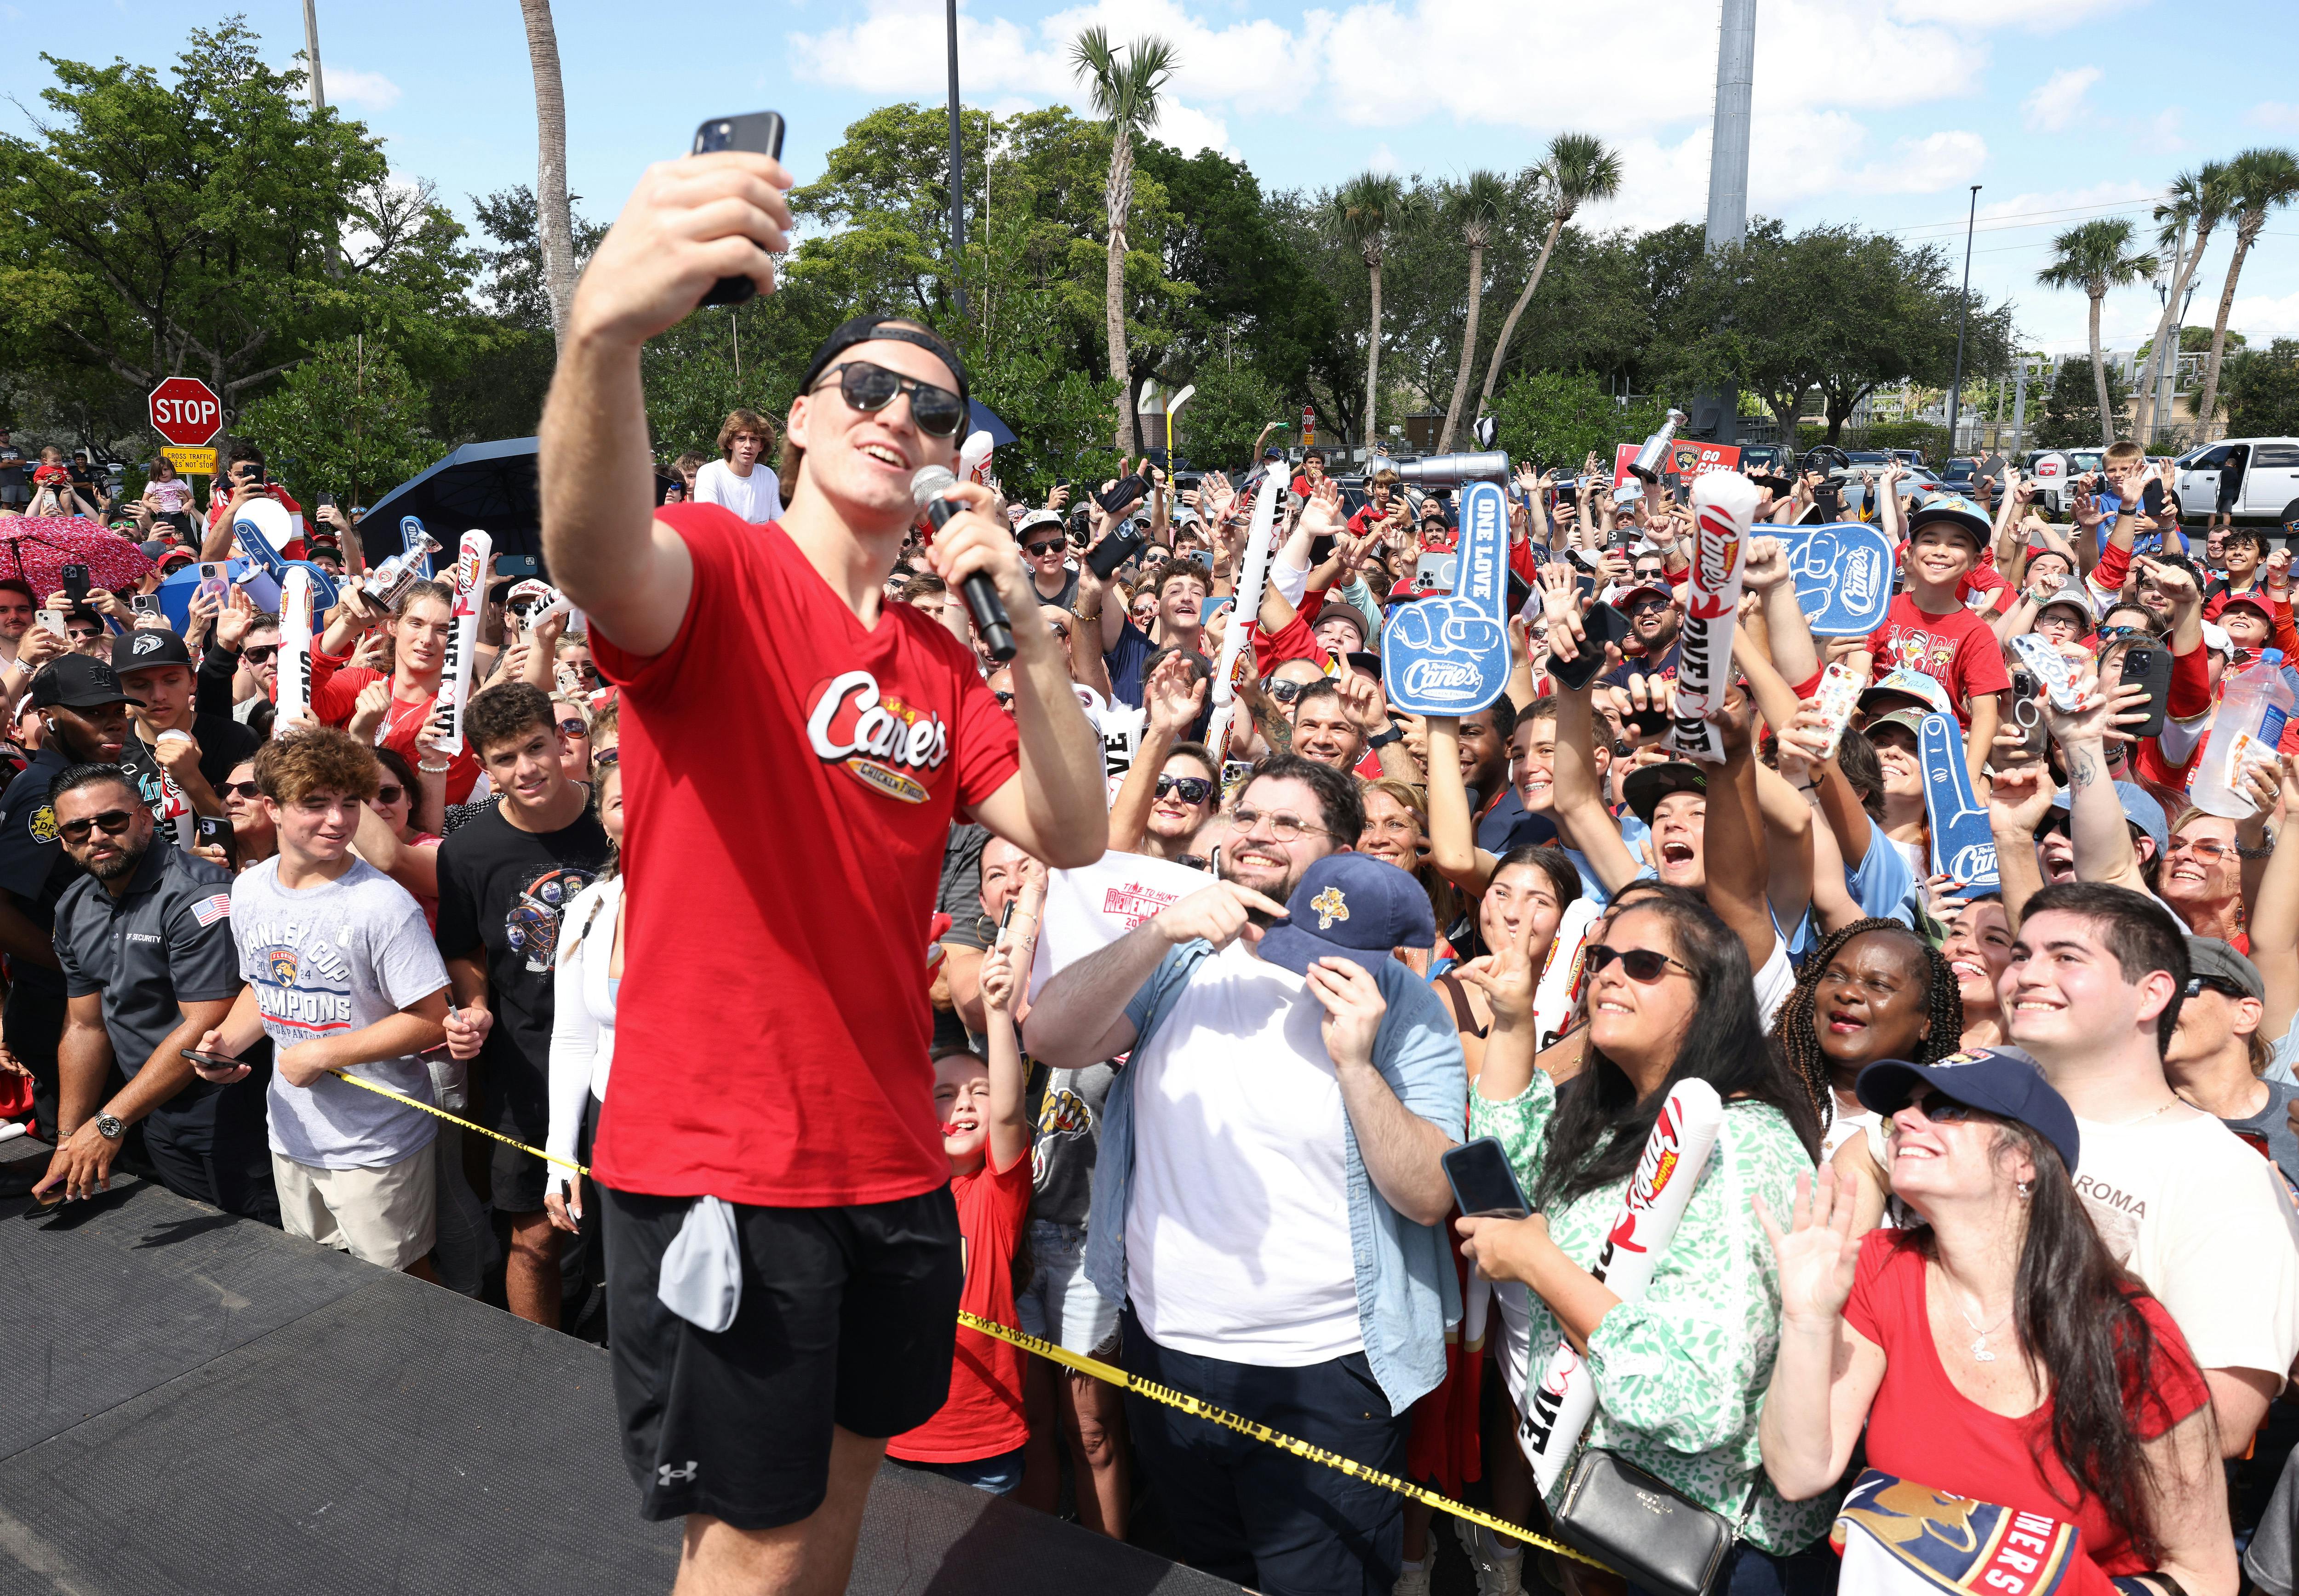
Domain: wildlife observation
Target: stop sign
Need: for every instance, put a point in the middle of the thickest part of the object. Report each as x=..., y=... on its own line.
x=186, y=411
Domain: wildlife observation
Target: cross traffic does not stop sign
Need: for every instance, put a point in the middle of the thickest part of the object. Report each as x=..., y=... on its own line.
x=186, y=411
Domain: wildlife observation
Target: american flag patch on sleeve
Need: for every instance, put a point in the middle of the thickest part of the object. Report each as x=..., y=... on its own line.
x=209, y=910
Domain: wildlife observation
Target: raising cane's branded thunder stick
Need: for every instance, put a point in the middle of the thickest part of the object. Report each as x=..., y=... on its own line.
x=294, y=650
x=462, y=639
x=1723, y=505
x=1558, y=1408
x=1247, y=606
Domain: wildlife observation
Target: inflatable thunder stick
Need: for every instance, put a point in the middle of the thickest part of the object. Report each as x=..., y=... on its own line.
x=1248, y=606
x=1723, y=507
x=1559, y=1406
x=462, y=638
x=294, y=650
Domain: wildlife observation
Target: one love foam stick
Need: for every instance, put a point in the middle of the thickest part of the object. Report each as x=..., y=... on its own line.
x=1723, y=507
x=1559, y=1406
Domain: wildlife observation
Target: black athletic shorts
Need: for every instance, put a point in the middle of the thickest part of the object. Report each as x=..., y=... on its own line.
x=849, y=1318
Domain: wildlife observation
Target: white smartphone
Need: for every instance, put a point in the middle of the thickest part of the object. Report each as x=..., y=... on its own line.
x=53, y=620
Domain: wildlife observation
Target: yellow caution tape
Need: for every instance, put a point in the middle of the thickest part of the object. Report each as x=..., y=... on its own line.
x=1110, y=1374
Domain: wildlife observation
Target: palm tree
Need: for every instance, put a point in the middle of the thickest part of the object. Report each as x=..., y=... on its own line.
x=1580, y=171
x=1473, y=207
x=2090, y=256
x=2259, y=181
x=2199, y=200
x=553, y=219
x=1124, y=85
x=1362, y=214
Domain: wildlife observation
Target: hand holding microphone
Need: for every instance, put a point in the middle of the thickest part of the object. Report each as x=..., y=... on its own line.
x=936, y=492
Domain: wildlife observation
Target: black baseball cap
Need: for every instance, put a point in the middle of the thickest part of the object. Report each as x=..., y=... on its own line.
x=76, y=681
x=149, y=646
x=1999, y=1080
x=862, y=329
x=1646, y=786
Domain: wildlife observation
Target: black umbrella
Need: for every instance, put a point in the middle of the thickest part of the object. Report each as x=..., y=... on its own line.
x=485, y=487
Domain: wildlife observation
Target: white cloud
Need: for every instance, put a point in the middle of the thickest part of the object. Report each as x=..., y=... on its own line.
x=1382, y=159
x=1189, y=130
x=2259, y=317
x=1793, y=157
x=2034, y=16
x=348, y=86
x=2277, y=116
x=2057, y=104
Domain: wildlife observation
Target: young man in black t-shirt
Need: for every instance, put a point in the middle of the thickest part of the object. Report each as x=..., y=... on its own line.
x=504, y=879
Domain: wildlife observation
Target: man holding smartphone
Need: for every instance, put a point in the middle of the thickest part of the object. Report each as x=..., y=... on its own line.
x=786, y=1077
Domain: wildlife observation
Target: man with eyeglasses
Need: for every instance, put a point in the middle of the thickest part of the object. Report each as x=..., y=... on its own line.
x=83, y=714
x=145, y=942
x=788, y=1077
x=1267, y=1189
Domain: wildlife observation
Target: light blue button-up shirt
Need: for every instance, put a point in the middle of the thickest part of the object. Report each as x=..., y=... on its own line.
x=1407, y=1291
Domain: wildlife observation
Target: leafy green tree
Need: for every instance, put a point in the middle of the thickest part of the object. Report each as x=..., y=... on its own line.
x=343, y=421
x=1361, y=216
x=2071, y=415
x=2262, y=390
x=1472, y=208
x=2096, y=256
x=1233, y=403
x=1124, y=85
x=2259, y=181
x=218, y=226
x=515, y=290
x=1578, y=171
x=1558, y=418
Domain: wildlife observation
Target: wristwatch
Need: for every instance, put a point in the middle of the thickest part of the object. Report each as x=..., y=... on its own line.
x=1384, y=738
x=109, y=1127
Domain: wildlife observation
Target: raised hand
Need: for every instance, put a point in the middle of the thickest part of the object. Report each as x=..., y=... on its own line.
x=1560, y=609
x=1818, y=1254
x=1507, y=977
x=1174, y=700
x=1219, y=914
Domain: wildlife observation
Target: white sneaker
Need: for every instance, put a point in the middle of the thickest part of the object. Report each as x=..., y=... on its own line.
x=1498, y=1574
x=1413, y=1579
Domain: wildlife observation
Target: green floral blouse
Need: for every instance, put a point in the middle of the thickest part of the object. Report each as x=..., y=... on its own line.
x=1681, y=1373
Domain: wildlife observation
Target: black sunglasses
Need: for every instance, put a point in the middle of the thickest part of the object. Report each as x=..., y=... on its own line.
x=246, y=790
x=1005, y=699
x=1194, y=789
x=390, y=794
x=1285, y=692
x=113, y=821
x=1940, y=1110
x=258, y=653
x=1043, y=547
x=1642, y=966
x=869, y=388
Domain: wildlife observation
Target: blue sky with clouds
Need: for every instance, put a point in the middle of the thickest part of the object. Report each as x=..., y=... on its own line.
x=1875, y=111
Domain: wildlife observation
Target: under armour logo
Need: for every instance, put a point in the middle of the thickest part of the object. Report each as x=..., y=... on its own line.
x=149, y=643
x=669, y=1475
x=1329, y=906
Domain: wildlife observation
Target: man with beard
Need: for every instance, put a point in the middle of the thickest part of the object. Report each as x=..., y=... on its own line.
x=149, y=968
x=1267, y=1189
x=83, y=714
x=1657, y=622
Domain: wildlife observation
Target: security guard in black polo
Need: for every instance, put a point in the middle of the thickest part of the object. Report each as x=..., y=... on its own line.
x=149, y=967
x=83, y=718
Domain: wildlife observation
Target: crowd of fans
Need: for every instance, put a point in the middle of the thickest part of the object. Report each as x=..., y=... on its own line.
x=2004, y=1199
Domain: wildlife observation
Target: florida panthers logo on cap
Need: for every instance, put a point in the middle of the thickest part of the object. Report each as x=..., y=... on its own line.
x=878, y=739
x=1331, y=905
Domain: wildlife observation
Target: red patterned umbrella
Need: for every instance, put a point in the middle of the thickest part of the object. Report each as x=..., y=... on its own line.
x=37, y=549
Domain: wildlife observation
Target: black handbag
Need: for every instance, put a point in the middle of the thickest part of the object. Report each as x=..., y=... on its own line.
x=1624, y=1516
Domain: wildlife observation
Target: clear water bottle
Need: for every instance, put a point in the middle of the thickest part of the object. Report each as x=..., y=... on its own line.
x=2254, y=703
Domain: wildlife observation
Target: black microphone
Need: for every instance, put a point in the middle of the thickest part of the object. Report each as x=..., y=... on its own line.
x=982, y=600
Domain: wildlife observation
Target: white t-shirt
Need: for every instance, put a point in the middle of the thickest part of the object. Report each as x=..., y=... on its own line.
x=1237, y=1232
x=757, y=498
x=2203, y=1221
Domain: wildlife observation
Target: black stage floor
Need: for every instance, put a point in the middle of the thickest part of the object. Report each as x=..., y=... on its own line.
x=191, y=1403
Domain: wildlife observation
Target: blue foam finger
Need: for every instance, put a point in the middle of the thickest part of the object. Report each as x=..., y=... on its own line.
x=1843, y=574
x=1963, y=845
x=1450, y=655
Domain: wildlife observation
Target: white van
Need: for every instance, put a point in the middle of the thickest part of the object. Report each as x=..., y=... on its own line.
x=2269, y=490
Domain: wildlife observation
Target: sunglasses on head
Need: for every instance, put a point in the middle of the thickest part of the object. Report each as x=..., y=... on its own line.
x=1642, y=966
x=869, y=388
x=113, y=821
x=1194, y=789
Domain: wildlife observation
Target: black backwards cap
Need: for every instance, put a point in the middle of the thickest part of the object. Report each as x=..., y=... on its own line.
x=863, y=330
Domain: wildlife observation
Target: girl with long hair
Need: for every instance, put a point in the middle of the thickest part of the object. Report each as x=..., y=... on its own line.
x=1670, y=997
x=1994, y=1350
x=1979, y=951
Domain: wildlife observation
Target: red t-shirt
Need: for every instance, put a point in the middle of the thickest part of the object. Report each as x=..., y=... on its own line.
x=336, y=688
x=773, y=1029
x=1923, y=1430
x=983, y=1418
x=1956, y=649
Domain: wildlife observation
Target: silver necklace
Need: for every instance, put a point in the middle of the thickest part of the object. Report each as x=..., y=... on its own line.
x=2151, y=1113
x=1979, y=1352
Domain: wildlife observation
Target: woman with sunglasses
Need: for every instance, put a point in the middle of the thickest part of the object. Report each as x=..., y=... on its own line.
x=2202, y=878
x=1670, y=997
x=392, y=836
x=1994, y=1350
x=252, y=837
x=1175, y=785
x=574, y=722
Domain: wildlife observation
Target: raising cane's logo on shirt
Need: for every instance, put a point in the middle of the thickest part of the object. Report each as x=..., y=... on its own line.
x=877, y=737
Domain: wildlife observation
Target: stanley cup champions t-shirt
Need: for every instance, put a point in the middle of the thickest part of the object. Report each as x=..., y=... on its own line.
x=771, y=1038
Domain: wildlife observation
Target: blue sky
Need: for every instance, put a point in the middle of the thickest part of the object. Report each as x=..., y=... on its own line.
x=1880, y=112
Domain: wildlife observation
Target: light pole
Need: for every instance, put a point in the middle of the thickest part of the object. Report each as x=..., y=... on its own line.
x=1717, y=414
x=1963, y=310
x=311, y=56
x=957, y=178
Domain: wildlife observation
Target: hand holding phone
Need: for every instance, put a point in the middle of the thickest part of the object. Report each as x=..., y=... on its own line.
x=76, y=584
x=1484, y=1184
x=759, y=133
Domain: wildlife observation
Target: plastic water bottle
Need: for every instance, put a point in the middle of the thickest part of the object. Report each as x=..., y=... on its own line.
x=2255, y=702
